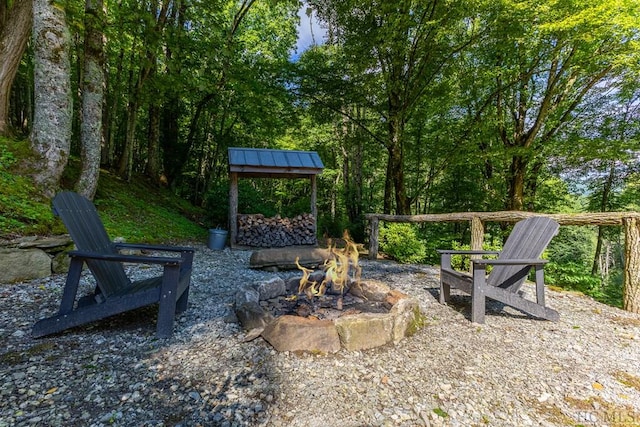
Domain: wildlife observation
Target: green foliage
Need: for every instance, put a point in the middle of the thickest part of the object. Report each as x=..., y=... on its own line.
x=23, y=210
x=401, y=242
x=137, y=211
x=332, y=226
x=553, y=195
x=141, y=212
x=571, y=255
x=6, y=158
x=436, y=236
x=573, y=244
x=440, y=412
x=250, y=201
x=574, y=277
x=463, y=262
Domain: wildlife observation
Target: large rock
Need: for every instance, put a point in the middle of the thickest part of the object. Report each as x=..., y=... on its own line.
x=285, y=258
x=252, y=317
x=23, y=264
x=372, y=290
x=60, y=263
x=365, y=330
x=271, y=288
x=294, y=333
x=247, y=293
x=407, y=318
x=250, y=314
x=52, y=242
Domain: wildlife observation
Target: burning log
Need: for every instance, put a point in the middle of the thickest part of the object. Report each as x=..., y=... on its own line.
x=336, y=275
x=258, y=231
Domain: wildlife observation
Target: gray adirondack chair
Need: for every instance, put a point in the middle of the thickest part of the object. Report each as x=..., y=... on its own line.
x=520, y=254
x=115, y=292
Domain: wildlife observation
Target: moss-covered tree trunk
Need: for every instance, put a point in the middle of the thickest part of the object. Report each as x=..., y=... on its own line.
x=51, y=132
x=92, y=98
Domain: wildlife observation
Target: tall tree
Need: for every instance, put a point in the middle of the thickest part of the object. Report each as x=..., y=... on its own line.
x=15, y=27
x=544, y=61
x=51, y=132
x=92, y=98
x=151, y=43
x=399, y=51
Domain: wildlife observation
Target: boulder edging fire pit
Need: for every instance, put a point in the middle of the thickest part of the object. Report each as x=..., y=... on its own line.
x=326, y=330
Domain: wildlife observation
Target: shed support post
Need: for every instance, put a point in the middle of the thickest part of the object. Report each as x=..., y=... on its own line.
x=373, y=237
x=314, y=205
x=233, y=208
x=631, y=289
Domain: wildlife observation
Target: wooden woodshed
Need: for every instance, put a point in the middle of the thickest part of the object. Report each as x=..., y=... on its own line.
x=269, y=163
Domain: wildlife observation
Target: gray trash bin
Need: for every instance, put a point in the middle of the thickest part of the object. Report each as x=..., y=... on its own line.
x=217, y=238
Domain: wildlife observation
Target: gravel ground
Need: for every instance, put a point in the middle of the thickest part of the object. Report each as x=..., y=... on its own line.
x=512, y=371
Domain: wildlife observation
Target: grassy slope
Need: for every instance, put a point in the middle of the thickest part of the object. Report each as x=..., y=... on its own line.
x=137, y=211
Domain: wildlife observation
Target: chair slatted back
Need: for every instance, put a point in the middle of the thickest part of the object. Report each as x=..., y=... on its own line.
x=83, y=223
x=528, y=240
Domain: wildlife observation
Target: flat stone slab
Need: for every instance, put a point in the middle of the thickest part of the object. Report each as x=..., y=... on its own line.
x=285, y=258
x=293, y=333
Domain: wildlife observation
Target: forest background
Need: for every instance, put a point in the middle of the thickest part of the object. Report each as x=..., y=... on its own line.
x=414, y=107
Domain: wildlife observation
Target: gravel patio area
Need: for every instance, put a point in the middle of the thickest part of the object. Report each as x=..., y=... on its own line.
x=512, y=371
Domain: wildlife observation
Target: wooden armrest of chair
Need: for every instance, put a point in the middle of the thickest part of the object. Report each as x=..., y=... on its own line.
x=445, y=256
x=466, y=252
x=134, y=259
x=153, y=247
x=514, y=261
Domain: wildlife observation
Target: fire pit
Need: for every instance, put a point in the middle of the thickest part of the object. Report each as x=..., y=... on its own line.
x=327, y=309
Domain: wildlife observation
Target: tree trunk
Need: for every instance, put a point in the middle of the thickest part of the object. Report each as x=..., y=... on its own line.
x=108, y=152
x=153, y=148
x=517, y=175
x=125, y=167
x=92, y=98
x=388, y=187
x=173, y=150
x=51, y=133
x=15, y=27
x=604, y=202
x=396, y=170
x=353, y=160
x=395, y=164
x=631, y=290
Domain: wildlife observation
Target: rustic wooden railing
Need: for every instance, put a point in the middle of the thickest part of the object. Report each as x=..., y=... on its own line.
x=629, y=220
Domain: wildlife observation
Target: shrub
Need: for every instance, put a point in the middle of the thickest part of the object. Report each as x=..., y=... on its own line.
x=463, y=262
x=401, y=242
x=573, y=276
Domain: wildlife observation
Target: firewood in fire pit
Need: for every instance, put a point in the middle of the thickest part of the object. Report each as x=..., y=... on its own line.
x=304, y=310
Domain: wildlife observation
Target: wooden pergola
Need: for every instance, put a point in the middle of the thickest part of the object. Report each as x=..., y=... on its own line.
x=268, y=163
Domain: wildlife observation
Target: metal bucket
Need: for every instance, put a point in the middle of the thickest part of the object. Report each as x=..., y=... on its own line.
x=217, y=238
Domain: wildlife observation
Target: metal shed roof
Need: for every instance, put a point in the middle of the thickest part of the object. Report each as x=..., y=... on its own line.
x=261, y=162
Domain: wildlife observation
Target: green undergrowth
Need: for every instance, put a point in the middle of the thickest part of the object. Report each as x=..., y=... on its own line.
x=141, y=212
x=137, y=211
x=23, y=210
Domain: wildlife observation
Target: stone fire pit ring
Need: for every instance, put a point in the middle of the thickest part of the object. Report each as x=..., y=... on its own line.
x=359, y=331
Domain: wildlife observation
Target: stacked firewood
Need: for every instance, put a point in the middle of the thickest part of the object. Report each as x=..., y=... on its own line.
x=256, y=230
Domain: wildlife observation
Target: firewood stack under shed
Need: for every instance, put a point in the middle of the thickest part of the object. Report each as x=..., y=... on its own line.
x=258, y=231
